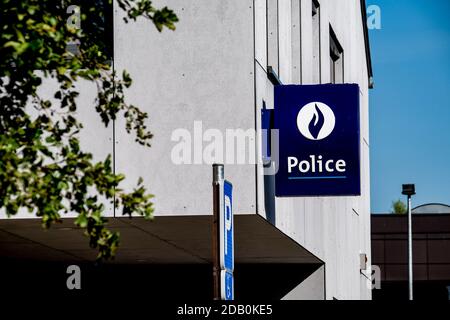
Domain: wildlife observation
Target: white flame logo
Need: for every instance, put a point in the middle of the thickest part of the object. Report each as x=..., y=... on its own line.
x=316, y=121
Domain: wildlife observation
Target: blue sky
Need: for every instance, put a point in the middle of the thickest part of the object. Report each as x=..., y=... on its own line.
x=410, y=104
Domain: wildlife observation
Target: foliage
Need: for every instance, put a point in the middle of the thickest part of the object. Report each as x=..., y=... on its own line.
x=43, y=169
x=398, y=207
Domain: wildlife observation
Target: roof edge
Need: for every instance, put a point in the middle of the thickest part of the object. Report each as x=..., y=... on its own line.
x=432, y=204
x=380, y=215
x=367, y=43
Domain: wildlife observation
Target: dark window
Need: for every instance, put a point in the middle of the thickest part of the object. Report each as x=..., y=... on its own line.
x=316, y=41
x=272, y=35
x=336, y=59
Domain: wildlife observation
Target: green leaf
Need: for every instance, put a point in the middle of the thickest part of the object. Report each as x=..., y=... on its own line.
x=81, y=221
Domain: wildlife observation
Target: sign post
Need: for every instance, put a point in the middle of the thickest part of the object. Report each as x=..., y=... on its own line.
x=223, y=236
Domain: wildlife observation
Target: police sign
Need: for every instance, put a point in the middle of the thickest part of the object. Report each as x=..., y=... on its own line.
x=319, y=140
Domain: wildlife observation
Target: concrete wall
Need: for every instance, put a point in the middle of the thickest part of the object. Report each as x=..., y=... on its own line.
x=312, y=288
x=201, y=72
x=95, y=137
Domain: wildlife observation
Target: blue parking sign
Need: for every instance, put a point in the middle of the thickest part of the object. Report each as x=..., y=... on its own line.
x=227, y=285
x=226, y=229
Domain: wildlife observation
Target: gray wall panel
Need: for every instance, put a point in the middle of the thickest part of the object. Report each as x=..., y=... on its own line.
x=201, y=72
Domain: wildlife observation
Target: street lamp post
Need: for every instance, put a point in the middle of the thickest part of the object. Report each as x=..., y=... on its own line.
x=409, y=190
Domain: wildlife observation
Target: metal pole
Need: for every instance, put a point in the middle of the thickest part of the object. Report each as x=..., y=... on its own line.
x=218, y=178
x=410, y=259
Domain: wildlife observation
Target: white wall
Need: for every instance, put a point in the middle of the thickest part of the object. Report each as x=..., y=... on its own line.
x=213, y=68
x=202, y=71
x=95, y=137
x=334, y=229
x=312, y=288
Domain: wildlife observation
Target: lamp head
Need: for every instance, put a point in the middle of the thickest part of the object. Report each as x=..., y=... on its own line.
x=408, y=189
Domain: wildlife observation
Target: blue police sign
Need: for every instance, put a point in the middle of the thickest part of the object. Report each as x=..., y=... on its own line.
x=318, y=140
x=226, y=229
x=226, y=285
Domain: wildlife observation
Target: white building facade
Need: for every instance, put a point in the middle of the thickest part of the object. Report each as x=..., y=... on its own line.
x=215, y=73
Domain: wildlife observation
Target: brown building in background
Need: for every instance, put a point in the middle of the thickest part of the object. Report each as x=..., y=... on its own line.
x=431, y=253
